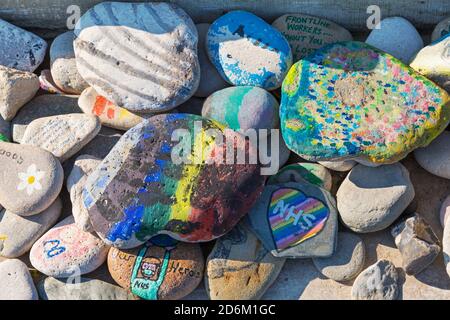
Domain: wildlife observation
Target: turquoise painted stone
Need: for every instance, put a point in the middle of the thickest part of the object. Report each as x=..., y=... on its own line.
x=243, y=108
x=248, y=51
x=351, y=101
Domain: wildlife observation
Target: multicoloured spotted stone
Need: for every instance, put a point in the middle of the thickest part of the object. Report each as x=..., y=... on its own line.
x=140, y=189
x=246, y=50
x=350, y=100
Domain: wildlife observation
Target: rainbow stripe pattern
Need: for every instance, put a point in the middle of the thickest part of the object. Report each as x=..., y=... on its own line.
x=294, y=217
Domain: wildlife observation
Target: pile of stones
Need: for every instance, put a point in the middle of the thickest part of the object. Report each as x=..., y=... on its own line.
x=94, y=205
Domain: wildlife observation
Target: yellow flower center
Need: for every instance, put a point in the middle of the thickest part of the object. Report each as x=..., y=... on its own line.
x=31, y=179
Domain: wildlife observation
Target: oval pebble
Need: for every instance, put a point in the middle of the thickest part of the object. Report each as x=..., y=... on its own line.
x=372, y=198
x=346, y=262
x=16, y=282
x=247, y=51
x=66, y=251
x=243, y=108
x=442, y=29
x=164, y=269
x=435, y=158
x=18, y=234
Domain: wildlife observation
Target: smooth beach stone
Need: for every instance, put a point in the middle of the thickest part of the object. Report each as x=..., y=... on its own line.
x=150, y=184
x=62, y=135
x=306, y=33
x=435, y=158
x=239, y=260
x=398, y=37
x=351, y=101
x=210, y=79
x=444, y=212
x=31, y=178
x=341, y=166
x=5, y=130
x=281, y=152
x=372, y=198
x=295, y=220
x=442, y=29
x=16, y=89
x=347, y=261
x=109, y=114
x=247, y=51
x=433, y=62
x=18, y=234
x=140, y=56
x=84, y=165
x=86, y=289
x=66, y=251
x=446, y=246
x=16, y=282
x=42, y=106
x=63, y=65
x=20, y=49
x=243, y=108
x=304, y=171
x=417, y=243
x=162, y=269
x=377, y=282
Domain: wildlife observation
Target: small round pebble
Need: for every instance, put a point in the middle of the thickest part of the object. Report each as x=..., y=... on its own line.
x=347, y=260
x=16, y=282
x=377, y=282
x=398, y=37
x=441, y=29
x=435, y=158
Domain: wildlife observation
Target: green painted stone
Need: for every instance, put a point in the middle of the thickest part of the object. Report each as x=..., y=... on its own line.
x=351, y=101
x=303, y=171
x=242, y=108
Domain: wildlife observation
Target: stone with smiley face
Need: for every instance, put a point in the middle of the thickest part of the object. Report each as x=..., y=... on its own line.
x=295, y=220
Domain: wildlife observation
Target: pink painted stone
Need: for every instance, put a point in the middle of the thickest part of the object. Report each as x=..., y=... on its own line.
x=65, y=251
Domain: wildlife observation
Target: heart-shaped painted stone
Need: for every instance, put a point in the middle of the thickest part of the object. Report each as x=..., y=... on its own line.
x=295, y=217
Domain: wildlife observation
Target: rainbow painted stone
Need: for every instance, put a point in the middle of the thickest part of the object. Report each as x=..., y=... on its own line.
x=295, y=220
x=149, y=184
x=351, y=101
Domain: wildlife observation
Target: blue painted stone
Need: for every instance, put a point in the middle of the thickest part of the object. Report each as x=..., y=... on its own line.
x=248, y=51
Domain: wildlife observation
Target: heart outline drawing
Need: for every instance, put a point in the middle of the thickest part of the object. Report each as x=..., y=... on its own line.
x=294, y=217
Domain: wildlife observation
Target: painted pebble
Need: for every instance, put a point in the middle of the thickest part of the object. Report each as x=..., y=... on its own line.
x=31, y=178
x=210, y=79
x=18, y=234
x=398, y=37
x=149, y=184
x=42, y=106
x=433, y=61
x=142, y=57
x=304, y=171
x=417, y=243
x=295, y=220
x=444, y=212
x=372, y=198
x=84, y=165
x=341, y=166
x=247, y=51
x=377, y=282
x=20, y=49
x=352, y=101
x=62, y=135
x=163, y=269
x=435, y=158
x=63, y=65
x=239, y=260
x=16, y=282
x=16, y=89
x=442, y=29
x=348, y=260
x=109, y=114
x=306, y=33
x=66, y=251
x=243, y=108
x=87, y=289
